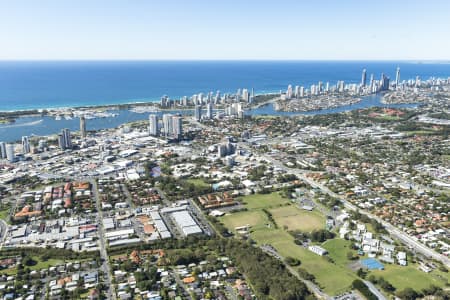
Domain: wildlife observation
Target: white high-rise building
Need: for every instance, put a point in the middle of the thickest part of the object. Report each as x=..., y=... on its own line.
x=198, y=112
x=177, y=126
x=209, y=110
x=245, y=95
x=297, y=91
x=289, y=92
x=64, y=139
x=153, y=128
x=10, y=153
x=26, y=145
x=83, y=126
x=397, y=77
x=302, y=92
x=167, y=124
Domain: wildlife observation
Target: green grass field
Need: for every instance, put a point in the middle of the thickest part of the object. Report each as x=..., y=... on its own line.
x=4, y=214
x=264, y=201
x=40, y=265
x=333, y=277
x=316, y=265
x=198, y=182
x=290, y=215
x=410, y=276
x=256, y=219
x=297, y=219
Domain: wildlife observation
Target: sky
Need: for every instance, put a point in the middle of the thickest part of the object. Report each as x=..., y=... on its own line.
x=224, y=29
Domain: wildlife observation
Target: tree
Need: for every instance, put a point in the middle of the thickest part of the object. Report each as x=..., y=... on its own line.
x=408, y=294
x=292, y=261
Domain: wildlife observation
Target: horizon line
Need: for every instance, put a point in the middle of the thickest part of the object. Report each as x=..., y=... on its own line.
x=221, y=60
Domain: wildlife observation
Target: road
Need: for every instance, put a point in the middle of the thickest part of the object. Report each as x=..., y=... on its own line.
x=105, y=267
x=393, y=231
x=311, y=286
x=374, y=290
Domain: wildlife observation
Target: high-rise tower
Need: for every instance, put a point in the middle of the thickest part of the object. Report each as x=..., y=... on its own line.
x=364, y=78
x=83, y=126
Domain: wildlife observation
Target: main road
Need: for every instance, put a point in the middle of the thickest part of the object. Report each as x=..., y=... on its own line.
x=106, y=268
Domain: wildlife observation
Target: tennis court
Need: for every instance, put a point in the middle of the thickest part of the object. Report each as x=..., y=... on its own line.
x=372, y=264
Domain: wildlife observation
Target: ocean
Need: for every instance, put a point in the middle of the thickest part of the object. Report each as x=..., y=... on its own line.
x=38, y=85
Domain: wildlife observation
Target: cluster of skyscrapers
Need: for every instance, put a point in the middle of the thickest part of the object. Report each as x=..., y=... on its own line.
x=374, y=86
x=209, y=99
x=172, y=126
x=7, y=151
x=64, y=139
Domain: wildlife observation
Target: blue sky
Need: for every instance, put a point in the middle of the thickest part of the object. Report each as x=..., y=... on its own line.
x=227, y=29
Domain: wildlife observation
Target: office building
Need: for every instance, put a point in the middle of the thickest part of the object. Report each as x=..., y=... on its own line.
x=83, y=126
x=26, y=145
x=153, y=128
x=2, y=150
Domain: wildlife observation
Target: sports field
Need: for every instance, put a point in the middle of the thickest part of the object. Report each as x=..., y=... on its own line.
x=297, y=219
x=287, y=214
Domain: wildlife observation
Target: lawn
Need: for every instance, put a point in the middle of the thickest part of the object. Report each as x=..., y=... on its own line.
x=410, y=276
x=256, y=219
x=341, y=278
x=293, y=217
x=264, y=201
x=338, y=249
x=40, y=265
x=198, y=182
x=297, y=219
x=4, y=214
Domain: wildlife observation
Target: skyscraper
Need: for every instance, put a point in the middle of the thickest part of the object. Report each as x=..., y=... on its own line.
x=245, y=95
x=153, y=128
x=289, y=92
x=10, y=153
x=167, y=124
x=83, y=126
x=364, y=77
x=26, y=145
x=397, y=77
x=198, y=112
x=64, y=139
x=2, y=150
x=209, y=110
x=177, y=126
x=384, y=82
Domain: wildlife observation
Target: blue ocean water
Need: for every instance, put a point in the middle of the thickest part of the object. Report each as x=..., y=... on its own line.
x=27, y=85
